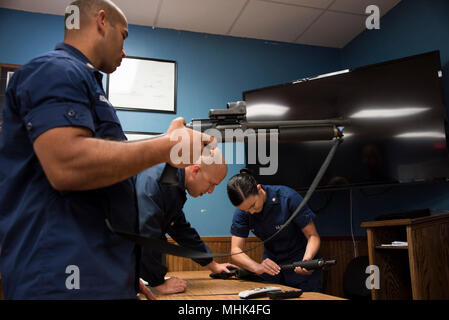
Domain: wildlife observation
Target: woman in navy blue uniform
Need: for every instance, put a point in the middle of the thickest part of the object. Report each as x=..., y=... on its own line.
x=263, y=209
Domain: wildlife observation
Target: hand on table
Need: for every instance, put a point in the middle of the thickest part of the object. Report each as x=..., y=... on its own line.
x=221, y=267
x=171, y=285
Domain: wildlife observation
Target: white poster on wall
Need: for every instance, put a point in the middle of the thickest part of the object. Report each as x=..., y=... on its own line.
x=143, y=84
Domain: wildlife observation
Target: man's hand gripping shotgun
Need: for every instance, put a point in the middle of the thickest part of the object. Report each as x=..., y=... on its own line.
x=234, y=118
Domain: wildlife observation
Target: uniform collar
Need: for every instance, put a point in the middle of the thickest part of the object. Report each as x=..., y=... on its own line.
x=80, y=56
x=272, y=196
x=271, y=200
x=76, y=53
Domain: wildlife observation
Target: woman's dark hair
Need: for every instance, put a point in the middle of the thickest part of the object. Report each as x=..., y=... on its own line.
x=241, y=186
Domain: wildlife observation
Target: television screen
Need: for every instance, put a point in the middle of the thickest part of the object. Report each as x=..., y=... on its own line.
x=397, y=133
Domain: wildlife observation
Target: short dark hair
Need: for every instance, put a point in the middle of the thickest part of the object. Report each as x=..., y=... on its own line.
x=241, y=186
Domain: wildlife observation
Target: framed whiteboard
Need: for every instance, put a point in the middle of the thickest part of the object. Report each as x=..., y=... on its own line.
x=143, y=84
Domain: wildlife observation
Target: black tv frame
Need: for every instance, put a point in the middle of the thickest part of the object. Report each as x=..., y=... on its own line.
x=361, y=68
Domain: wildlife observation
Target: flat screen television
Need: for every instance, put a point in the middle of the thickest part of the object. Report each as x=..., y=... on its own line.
x=398, y=126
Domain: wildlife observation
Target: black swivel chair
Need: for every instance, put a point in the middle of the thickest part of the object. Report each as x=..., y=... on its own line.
x=354, y=279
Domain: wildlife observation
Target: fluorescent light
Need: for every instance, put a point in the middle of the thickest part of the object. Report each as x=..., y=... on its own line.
x=422, y=134
x=331, y=74
x=266, y=109
x=388, y=113
x=322, y=76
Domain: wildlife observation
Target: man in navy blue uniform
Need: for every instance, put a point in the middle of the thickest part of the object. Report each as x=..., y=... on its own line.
x=65, y=168
x=161, y=212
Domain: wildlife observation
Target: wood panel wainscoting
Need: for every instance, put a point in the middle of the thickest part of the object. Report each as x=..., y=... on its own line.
x=340, y=248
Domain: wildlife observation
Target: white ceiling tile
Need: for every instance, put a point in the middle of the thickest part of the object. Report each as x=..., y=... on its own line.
x=333, y=29
x=359, y=6
x=321, y=4
x=41, y=6
x=211, y=16
x=273, y=21
x=140, y=12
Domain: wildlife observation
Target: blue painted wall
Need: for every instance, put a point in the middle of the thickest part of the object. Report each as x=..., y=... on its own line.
x=412, y=27
x=212, y=70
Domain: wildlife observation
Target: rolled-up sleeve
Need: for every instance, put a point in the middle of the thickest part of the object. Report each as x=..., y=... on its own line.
x=55, y=95
x=240, y=224
x=305, y=216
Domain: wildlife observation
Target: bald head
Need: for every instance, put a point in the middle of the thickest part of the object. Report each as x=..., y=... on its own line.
x=88, y=11
x=99, y=33
x=203, y=177
x=214, y=164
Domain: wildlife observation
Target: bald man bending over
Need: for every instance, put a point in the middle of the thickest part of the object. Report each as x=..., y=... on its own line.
x=65, y=167
x=160, y=212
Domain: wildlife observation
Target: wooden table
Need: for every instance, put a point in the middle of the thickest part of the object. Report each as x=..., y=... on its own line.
x=202, y=287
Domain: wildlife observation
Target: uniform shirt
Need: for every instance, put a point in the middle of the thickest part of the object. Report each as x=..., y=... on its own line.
x=160, y=212
x=281, y=201
x=55, y=245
